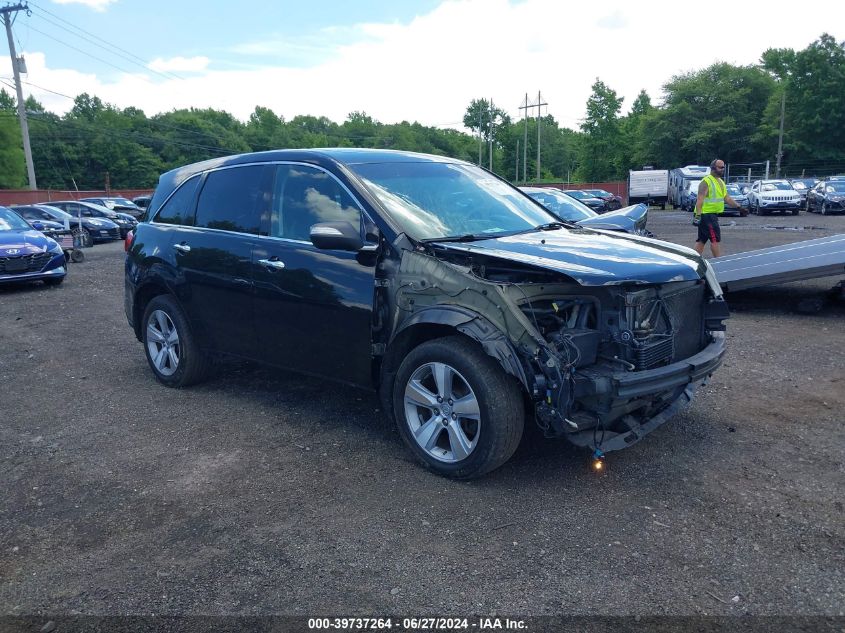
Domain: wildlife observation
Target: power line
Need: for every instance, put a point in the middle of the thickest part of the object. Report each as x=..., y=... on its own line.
x=100, y=43
x=79, y=50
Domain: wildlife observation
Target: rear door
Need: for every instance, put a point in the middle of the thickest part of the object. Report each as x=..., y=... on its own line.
x=214, y=256
x=313, y=308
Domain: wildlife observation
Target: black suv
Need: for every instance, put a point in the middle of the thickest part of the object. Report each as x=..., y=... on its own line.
x=463, y=301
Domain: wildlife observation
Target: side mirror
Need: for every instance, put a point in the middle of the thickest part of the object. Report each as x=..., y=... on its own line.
x=37, y=225
x=341, y=236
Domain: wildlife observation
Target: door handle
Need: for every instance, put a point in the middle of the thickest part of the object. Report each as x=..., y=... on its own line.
x=182, y=248
x=272, y=263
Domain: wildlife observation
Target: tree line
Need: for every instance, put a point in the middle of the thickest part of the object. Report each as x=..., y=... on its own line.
x=733, y=112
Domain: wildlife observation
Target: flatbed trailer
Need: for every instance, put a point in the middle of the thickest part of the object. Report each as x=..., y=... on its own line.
x=821, y=257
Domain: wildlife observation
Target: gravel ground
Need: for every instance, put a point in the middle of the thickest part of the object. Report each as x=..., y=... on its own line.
x=263, y=492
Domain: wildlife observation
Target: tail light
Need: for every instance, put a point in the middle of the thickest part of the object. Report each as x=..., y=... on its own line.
x=127, y=242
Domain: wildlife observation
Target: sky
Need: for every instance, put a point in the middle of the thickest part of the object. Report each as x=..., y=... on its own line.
x=399, y=60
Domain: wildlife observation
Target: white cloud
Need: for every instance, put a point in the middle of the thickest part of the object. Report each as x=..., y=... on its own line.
x=97, y=5
x=429, y=70
x=179, y=64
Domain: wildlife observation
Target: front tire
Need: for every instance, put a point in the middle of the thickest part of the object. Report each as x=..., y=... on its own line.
x=171, y=348
x=456, y=409
x=824, y=208
x=54, y=281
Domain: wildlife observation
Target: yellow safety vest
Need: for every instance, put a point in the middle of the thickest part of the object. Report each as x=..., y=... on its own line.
x=716, y=192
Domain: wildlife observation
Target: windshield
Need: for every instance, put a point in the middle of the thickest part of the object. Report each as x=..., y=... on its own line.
x=123, y=202
x=11, y=221
x=562, y=205
x=835, y=187
x=434, y=200
x=575, y=193
x=733, y=190
x=61, y=214
x=779, y=186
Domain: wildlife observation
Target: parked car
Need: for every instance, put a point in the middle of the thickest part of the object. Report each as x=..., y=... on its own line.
x=121, y=205
x=803, y=185
x=767, y=196
x=88, y=229
x=432, y=280
x=92, y=210
x=827, y=197
x=142, y=202
x=631, y=219
x=689, y=196
x=740, y=198
x=27, y=254
x=611, y=201
x=596, y=204
x=55, y=231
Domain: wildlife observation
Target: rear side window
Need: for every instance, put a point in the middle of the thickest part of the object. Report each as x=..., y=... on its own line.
x=178, y=209
x=234, y=199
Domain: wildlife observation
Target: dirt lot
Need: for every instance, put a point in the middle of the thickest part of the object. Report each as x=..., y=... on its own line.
x=267, y=493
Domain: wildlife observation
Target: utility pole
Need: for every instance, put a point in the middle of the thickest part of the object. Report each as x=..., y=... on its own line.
x=6, y=14
x=525, y=144
x=540, y=105
x=780, y=135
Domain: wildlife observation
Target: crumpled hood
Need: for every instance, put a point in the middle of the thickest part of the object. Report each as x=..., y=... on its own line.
x=24, y=242
x=594, y=258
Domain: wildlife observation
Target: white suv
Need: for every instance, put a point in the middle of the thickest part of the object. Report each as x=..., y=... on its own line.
x=767, y=196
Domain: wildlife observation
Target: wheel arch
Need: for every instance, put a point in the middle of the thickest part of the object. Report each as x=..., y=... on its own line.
x=438, y=322
x=143, y=295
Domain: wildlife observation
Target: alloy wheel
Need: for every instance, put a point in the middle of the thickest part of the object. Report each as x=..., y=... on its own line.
x=442, y=412
x=163, y=343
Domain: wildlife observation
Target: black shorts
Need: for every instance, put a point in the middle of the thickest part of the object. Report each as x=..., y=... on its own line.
x=708, y=228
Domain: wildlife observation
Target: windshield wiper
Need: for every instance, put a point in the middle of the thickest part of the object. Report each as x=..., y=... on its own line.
x=549, y=226
x=468, y=237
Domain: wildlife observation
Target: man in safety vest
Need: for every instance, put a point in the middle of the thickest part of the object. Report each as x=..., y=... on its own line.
x=712, y=196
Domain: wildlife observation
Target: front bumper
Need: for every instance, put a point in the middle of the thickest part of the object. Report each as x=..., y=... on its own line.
x=779, y=206
x=56, y=271
x=679, y=380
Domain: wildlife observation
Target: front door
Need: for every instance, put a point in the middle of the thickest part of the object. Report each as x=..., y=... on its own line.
x=313, y=308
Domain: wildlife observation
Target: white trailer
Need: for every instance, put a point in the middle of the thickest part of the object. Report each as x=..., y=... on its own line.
x=649, y=185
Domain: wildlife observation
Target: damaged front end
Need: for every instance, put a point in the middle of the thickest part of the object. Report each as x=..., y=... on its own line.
x=604, y=364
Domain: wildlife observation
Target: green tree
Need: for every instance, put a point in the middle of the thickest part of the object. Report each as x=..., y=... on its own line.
x=483, y=119
x=12, y=163
x=814, y=81
x=712, y=112
x=602, y=137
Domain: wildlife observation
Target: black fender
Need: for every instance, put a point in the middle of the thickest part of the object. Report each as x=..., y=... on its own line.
x=492, y=340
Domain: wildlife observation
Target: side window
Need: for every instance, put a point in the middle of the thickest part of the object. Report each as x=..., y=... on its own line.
x=179, y=209
x=235, y=199
x=304, y=196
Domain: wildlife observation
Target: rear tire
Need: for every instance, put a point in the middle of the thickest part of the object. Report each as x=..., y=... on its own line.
x=171, y=348
x=456, y=409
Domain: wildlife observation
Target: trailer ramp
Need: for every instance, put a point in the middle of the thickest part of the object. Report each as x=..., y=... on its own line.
x=821, y=257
